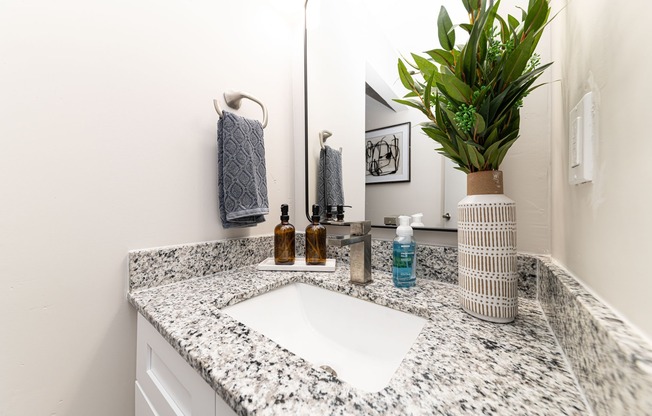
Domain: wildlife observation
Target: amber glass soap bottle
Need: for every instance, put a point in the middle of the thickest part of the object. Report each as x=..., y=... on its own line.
x=284, y=239
x=315, y=240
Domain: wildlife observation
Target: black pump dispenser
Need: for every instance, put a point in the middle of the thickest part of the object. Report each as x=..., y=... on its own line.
x=284, y=245
x=315, y=213
x=340, y=212
x=284, y=213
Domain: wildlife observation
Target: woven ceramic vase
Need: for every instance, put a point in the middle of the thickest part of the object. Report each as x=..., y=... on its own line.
x=487, y=249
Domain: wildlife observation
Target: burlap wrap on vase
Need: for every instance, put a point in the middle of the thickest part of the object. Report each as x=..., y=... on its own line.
x=487, y=249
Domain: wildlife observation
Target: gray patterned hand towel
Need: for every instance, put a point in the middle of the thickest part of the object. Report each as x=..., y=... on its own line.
x=242, y=181
x=329, y=181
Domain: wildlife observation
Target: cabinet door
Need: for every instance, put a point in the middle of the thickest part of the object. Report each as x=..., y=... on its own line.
x=169, y=385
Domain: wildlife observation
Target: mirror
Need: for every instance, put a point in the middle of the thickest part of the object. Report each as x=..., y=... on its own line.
x=351, y=78
x=334, y=98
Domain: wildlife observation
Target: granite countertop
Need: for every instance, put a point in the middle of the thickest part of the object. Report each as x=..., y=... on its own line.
x=458, y=364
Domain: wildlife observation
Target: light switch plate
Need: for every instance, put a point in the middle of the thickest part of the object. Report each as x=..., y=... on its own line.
x=575, y=137
x=581, y=137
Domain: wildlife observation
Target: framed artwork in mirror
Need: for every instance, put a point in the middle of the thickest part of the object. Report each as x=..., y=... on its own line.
x=388, y=154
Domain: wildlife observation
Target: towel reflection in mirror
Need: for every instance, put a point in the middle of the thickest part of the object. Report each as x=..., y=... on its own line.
x=330, y=189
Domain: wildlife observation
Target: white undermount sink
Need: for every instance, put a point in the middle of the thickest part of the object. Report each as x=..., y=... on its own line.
x=363, y=342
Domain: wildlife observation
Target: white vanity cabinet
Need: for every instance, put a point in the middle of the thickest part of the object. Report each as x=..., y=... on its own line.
x=166, y=385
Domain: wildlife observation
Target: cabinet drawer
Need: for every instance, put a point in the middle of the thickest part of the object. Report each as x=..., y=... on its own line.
x=167, y=381
x=143, y=406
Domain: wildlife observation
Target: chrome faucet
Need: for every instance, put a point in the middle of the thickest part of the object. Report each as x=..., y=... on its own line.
x=360, y=249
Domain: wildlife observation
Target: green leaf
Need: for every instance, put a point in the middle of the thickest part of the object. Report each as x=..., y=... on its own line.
x=470, y=50
x=513, y=22
x=479, y=125
x=482, y=107
x=456, y=129
x=493, y=12
x=537, y=15
x=475, y=157
x=505, y=31
x=491, y=138
x=517, y=61
x=425, y=66
x=443, y=152
x=462, y=152
x=445, y=99
x=466, y=26
x=534, y=88
x=428, y=91
x=482, y=54
x=448, y=149
x=410, y=103
x=442, y=57
x=455, y=88
x=404, y=75
x=445, y=143
x=446, y=31
x=492, y=152
x=503, y=152
x=439, y=116
x=467, y=5
x=435, y=133
x=531, y=76
x=447, y=70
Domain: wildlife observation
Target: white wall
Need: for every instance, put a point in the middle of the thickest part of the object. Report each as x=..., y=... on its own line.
x=424, y=191
x=601, y=231
x=526, y=168
x=108, y=144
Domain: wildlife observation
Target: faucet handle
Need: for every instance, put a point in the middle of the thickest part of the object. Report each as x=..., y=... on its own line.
x=360, y=227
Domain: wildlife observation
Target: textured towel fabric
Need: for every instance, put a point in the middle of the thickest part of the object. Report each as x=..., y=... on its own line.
x=329, y=182
x=242, y=182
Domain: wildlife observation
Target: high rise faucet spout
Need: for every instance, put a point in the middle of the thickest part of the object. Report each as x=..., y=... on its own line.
x=360, y=250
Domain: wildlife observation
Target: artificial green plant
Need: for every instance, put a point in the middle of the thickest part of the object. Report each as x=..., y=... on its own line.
x=472, y=93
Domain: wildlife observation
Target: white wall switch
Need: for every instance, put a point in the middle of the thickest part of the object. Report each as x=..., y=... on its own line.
x=581, y=136
x=575, y=137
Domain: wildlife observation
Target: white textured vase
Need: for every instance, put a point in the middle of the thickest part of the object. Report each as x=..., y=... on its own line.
x=487, y=249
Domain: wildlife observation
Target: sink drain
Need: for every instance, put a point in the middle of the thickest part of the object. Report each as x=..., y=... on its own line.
x=328, y=369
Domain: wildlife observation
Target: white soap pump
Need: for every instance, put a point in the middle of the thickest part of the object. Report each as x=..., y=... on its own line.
x=417, y=220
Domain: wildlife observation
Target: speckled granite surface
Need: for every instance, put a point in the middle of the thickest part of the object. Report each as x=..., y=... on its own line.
x=612, y=363
x=458, y=365
x=164, y=265
x=153, y=267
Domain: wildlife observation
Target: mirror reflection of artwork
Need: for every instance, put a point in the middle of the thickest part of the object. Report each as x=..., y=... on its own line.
x=383, y=155
x=388, y=154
